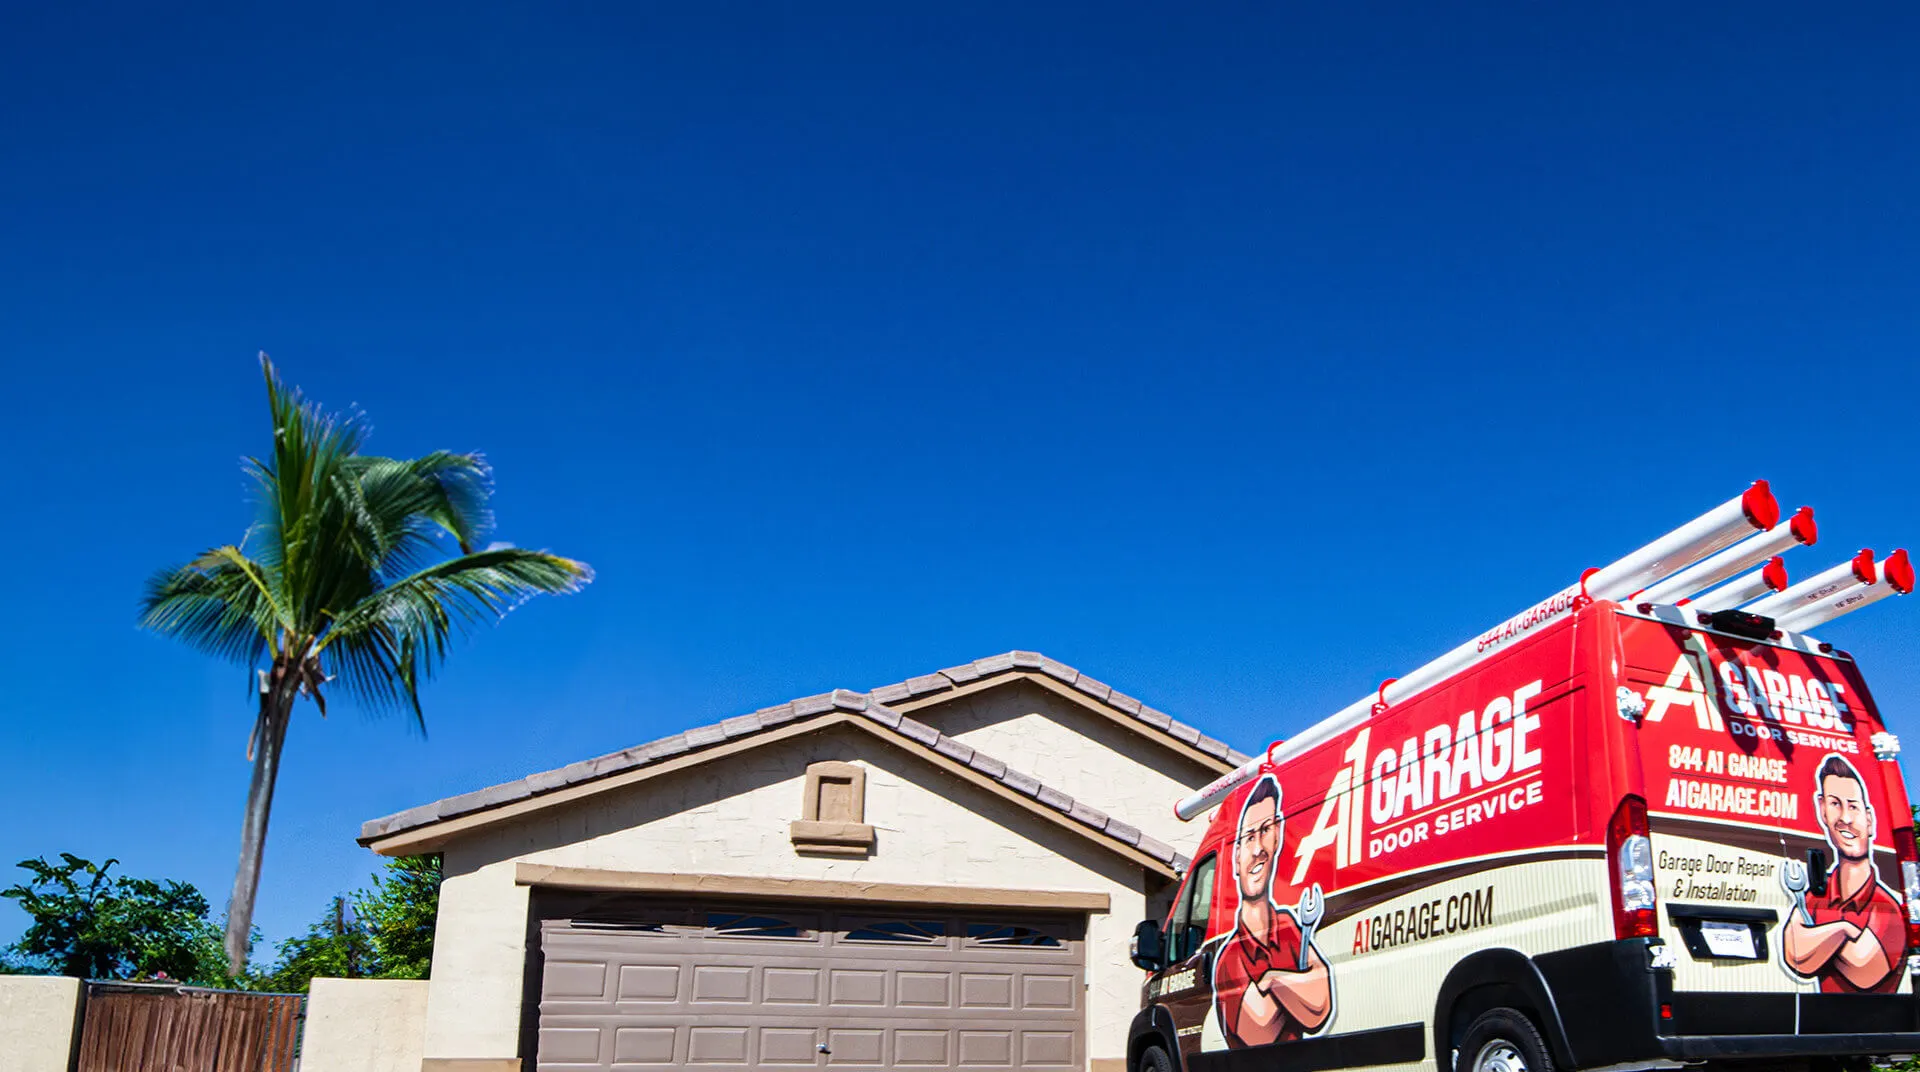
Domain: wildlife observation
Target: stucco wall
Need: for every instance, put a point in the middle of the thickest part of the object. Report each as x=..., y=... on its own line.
x=38, y=1018
x=364, y=1025
x=1084, y=755
x=732, y=818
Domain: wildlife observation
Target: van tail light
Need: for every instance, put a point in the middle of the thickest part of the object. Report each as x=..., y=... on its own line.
x=1630, y=854
x=1910, y=874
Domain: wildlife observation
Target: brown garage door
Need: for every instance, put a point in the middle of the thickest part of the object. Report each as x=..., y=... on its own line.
x=781, y=987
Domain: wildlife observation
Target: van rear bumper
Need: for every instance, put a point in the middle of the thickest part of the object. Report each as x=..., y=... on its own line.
x=1751, y=1025
x=1706, y=1047
x=1609, y=1004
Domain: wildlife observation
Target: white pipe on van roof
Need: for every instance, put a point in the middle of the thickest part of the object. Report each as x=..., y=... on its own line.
x=1704, y=574
x=1726, y=524
x=1895, y=579
x=1771, y=577
x=1852, y=573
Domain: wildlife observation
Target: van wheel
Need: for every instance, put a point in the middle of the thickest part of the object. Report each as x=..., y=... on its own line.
x=1502, y=1040
x=1153, y=1059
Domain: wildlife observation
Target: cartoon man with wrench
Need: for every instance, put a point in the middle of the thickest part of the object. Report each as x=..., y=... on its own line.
x=1853, y=937
x=1269, y=982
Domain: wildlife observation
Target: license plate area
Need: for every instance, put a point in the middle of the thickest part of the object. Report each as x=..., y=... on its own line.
x=1713, y=933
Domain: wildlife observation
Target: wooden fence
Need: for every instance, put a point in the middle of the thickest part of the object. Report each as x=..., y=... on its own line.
x=130, y=1027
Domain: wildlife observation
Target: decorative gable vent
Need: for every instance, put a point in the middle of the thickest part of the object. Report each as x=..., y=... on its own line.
x=833, y=812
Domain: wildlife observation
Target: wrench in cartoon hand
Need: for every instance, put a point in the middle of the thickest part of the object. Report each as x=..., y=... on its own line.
x=1311, y=909
x=1793, y=878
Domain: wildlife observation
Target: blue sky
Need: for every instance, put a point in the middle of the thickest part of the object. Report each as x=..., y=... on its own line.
x=1240, y=356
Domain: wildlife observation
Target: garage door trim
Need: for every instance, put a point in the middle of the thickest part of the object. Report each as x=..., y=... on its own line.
x=808, y=889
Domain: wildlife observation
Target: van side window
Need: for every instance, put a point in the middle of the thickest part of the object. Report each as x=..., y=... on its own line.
x=1190, y=915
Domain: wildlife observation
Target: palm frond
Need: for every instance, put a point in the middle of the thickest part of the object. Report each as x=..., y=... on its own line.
x=380, y=668
x=444, y=491
x=306, y=517
x=409, y=508
x=385, y=647
x=222, y=603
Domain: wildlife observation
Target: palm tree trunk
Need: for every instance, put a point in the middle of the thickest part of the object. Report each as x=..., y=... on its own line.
x=270, y=732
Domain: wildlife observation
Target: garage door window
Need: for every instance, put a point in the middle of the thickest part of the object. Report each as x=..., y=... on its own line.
x=740, y=925
x=912, y=931
x=1010, y=934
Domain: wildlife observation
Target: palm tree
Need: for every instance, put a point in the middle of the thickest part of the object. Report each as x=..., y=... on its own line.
x=347, y=575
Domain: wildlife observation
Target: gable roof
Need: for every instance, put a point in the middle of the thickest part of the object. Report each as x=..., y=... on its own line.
x=417, y=828
x=1157, y=725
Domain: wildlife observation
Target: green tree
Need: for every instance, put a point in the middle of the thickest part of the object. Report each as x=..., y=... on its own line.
x=351, y=573
x=384, y=932
x=336, y=946
x=88, y=923
x=399, y=914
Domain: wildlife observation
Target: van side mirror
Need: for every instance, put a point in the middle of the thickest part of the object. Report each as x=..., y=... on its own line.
x=1148, y=951
x=1817, y=872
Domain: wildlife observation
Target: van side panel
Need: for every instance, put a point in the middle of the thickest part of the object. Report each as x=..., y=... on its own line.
x=1455, y=823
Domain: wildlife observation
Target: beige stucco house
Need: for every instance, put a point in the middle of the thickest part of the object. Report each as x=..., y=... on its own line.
x=938, y=874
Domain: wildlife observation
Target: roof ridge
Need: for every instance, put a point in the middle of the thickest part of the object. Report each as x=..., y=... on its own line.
x=700, y=737
x=1161, y=722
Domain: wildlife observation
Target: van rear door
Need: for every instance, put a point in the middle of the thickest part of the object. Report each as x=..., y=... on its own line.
x=1771, y=819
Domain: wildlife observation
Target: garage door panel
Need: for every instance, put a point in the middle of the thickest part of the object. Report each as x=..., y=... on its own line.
x=570, y=1045
x=643, y=1045
x=790, y=986
x=717, y=1045
x=1043, y=1048
x=855, y=1046
x=981, y=990
x=857, y=988
x=986, y=1049
x=731, y=983
x=922, y=1049
x=743, y=987
x=1043, y=991
x=648, y=982
x=575, y=979
x=923, y=989
x=789, y=1046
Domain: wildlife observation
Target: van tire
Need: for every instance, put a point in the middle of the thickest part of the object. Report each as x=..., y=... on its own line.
x=1153, y=1059
x=1502, y=1040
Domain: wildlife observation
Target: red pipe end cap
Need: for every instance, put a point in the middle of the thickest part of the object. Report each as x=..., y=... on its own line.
x=1802, y=526
x=1775, y=573
x=1863, y=566
x=1760, y=507
x=1898, y=572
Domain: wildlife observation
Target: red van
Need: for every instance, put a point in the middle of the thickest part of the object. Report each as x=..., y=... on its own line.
x=1628, y=840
